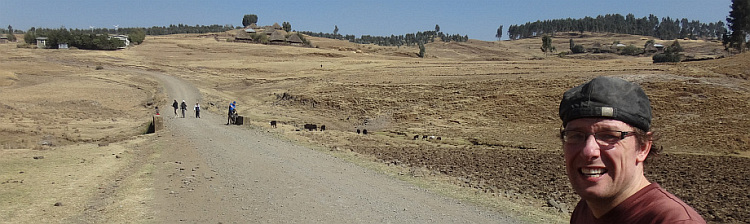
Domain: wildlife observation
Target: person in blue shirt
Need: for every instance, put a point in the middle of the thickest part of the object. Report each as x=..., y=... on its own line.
x=232, y=112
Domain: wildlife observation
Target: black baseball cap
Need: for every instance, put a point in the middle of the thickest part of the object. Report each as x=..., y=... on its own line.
x=607, y=97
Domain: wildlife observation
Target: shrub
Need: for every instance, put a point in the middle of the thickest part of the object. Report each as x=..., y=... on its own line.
x=260, y=38
x=421, y=50
x=577, y=49
x=671, y=54
x=666, y=57
x=675, y=47
x=11, y=37
x=631, y=50
x=137, y=36
x=304, y=40
x=29, y=38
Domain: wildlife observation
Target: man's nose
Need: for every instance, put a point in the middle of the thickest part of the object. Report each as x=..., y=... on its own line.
x=590, y=148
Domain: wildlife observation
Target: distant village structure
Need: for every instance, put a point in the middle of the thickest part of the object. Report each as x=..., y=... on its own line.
x=275, y=35
x=123, y=38
x=41, y=42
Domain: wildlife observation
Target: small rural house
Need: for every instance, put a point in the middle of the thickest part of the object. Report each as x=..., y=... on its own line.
x=41, y=42
x=276, y=26
x=294, y=40
x=268, y=30
x=277, y=37
x=654, y=48
x=243, y=39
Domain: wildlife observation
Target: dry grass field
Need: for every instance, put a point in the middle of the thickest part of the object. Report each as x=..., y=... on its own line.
x=493, y=104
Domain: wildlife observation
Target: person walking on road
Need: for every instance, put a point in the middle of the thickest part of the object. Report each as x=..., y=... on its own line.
x=197, y=110
x=183, y=107
x=231, y=113
x=176, y=106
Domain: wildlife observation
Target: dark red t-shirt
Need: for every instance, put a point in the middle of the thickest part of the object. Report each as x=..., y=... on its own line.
x=652, y=204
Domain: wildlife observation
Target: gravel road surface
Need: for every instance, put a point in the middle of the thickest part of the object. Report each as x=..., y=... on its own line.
x=210, y=172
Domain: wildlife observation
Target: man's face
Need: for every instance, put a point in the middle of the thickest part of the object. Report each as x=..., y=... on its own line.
x=604, y=171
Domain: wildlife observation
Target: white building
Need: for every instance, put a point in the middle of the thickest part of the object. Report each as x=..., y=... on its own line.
x=41, y=42
x=123, y=38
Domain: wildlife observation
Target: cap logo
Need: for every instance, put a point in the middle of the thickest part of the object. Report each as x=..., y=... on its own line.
x=608, y=112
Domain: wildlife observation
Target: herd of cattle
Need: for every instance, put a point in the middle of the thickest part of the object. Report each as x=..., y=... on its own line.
x=309, y=127
x=428, y=137
x=315, y=127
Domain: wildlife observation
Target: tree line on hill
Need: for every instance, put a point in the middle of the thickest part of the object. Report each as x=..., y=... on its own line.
x=154, y=30
x=82, y=39
x=665, y=29
x=182, y=28
x=736, y=38
x=100, y=39
x=409, y=39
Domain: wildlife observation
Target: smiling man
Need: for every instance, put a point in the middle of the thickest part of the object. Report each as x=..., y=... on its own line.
x=606, y=140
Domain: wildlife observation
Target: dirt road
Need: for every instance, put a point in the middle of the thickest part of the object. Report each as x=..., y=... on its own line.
x=210, y=172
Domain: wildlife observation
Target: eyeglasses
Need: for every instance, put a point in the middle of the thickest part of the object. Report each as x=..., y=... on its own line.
x=602, y=137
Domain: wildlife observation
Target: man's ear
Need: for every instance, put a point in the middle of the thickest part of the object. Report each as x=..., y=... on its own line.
x=642, y=153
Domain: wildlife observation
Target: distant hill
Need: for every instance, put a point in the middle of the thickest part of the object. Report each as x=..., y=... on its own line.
x=527, y=48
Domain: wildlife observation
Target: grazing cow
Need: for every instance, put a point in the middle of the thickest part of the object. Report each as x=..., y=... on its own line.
x=439, y=138
x=364, y=131
x=424, y=137
x=416, y=137
x=311, y=127
x=322, y=127
x=273, y=124
x=358, y=131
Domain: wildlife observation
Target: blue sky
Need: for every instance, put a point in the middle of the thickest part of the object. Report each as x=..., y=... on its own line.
x=478, y=19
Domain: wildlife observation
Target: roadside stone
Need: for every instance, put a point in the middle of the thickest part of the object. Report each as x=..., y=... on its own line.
x=561, y=207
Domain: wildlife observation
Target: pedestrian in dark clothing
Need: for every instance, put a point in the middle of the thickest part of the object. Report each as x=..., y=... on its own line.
x=176, y=106
x=197, y=110
x=183, y=107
